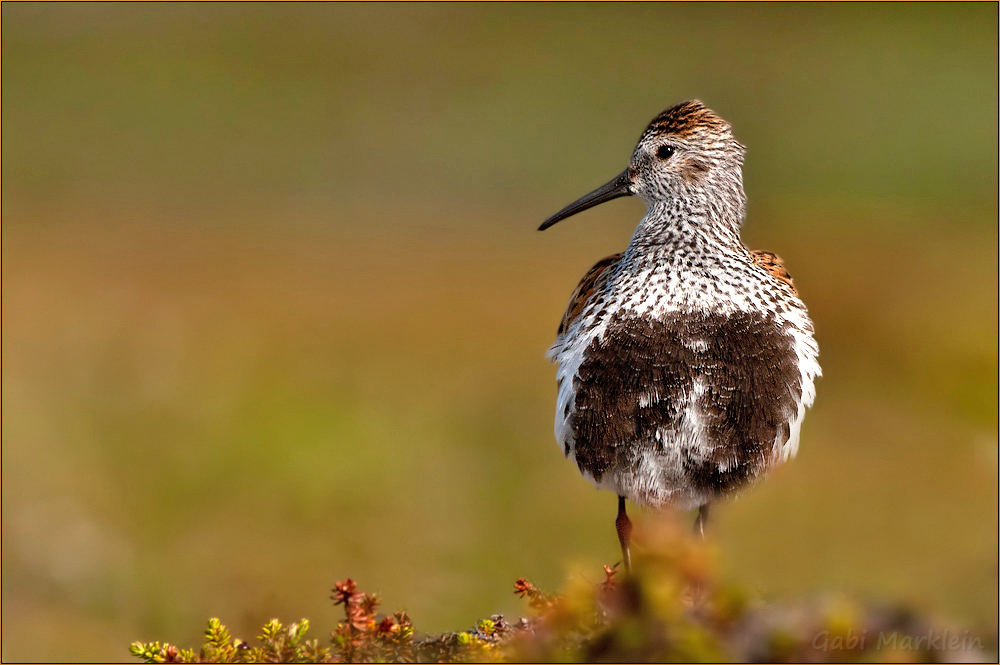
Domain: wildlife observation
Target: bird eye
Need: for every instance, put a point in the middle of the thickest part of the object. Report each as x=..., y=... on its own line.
x=665, y=151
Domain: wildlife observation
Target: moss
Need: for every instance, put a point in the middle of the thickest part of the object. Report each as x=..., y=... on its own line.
x=672, y=608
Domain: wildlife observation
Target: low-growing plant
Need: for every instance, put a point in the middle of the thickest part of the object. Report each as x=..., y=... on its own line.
x=671, y=608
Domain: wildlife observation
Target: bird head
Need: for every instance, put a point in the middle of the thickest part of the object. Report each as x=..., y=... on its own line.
x=685, y=148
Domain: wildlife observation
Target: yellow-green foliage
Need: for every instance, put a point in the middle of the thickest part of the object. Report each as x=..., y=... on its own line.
x=672, y=608
x=278, y=644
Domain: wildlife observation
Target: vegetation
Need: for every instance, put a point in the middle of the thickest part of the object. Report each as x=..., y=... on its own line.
x=672, y=609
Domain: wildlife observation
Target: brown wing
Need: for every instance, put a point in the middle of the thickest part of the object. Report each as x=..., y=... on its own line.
x=590, y=283
x=772, y=263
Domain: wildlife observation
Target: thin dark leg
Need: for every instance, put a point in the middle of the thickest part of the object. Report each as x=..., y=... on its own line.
x=624, y=526
x=701, y=521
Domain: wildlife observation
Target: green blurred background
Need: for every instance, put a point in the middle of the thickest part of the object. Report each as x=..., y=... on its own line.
x=274, y=308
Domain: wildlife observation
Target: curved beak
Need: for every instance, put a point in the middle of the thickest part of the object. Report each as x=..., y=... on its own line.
x=615, y=189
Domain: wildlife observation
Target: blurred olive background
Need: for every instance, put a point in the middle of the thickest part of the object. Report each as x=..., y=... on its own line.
x=275, y=309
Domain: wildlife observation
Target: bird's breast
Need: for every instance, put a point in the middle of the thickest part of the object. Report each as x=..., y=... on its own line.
x=656, y=403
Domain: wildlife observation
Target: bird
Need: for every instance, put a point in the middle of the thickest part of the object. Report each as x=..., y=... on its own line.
x=685, y=364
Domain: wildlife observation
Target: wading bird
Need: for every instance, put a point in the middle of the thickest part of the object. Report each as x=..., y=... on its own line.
x=685, y=363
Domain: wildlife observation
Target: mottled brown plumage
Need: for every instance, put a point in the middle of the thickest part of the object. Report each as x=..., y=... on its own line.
x=686, y=363
x=744, y=408
x=685, y=119
x=592, y=281
x=590, y=284
x=772, y=263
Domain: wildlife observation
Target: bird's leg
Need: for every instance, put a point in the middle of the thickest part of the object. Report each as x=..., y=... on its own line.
x=695, y=595
x=701, y=521
x=624, y=526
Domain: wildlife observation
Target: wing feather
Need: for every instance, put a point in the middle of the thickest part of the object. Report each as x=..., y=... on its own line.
x=772, y=263
x=590, y=284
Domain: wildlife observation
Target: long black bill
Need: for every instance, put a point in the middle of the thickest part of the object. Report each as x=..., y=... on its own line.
x=613, y=190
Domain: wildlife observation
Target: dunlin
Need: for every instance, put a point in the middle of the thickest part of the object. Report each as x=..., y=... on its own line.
x=686, y=363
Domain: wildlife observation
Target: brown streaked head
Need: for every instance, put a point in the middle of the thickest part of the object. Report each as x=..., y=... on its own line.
x=687, y=120
x=685, y=146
